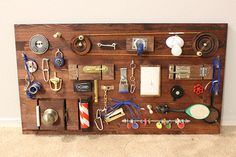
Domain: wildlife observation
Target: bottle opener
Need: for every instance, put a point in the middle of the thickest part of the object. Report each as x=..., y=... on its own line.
x=123, y=85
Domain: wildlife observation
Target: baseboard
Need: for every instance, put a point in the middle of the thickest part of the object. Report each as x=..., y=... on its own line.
x=16, y=122
x=229, y=123
x=10, y=122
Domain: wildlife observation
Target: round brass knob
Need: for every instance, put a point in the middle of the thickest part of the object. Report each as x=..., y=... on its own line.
x=57, y=35
x=50, y=116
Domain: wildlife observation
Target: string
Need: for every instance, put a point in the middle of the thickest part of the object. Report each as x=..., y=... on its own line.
x=128, y=104
x=29, y=95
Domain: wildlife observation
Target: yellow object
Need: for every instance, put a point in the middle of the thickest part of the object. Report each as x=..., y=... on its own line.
x=159, y=125
x=95, y=69
x=55, y=83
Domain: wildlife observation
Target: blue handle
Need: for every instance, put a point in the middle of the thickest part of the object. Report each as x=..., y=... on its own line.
x=140, y=48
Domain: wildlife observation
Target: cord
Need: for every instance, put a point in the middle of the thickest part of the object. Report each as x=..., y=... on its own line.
x=128, y=104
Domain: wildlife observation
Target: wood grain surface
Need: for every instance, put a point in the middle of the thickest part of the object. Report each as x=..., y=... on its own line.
x=120, y=58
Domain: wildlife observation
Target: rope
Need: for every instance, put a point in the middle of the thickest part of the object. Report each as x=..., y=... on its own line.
x=128, y=104
x=29, y=95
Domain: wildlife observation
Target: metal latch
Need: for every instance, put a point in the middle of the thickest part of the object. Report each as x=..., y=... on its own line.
x=179, y=72
x=95, y=69
x=203, y=71
x=192, y=72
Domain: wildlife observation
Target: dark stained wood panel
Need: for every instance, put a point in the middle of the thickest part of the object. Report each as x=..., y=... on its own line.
x=159, y=54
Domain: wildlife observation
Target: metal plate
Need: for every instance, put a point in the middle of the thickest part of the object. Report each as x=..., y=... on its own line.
x=39, y=44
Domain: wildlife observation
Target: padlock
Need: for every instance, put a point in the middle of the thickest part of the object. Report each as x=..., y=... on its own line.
x=59, y=59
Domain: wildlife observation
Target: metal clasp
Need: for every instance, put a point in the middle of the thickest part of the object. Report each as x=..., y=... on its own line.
x=107, y=45
x=95, y=69
x=98, y=120
x=45, y=69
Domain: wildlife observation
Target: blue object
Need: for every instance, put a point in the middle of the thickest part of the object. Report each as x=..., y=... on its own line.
x=140, y=48
x=123, y=91
x=135, y=125
x=132, y=107
x=216, y=76
x=59, y=61
x=34, y=88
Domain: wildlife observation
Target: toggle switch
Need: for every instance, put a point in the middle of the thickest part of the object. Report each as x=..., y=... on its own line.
x=175, y=43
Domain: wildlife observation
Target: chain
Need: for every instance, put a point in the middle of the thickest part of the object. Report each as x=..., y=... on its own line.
x=105, y=100
x=132, y=77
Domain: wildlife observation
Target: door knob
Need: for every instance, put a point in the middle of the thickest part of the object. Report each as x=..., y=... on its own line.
x=50, y=116
x=175, y=43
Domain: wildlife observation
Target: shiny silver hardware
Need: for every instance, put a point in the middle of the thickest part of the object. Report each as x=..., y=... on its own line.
x=132, y=77
x=32, y=66
x=50, y=116
x=39, y=44
x=45, y=69
x=107, y=45
x=203, y=71
x=98, y=120
x=123, y=85
x=137, y=40
x=179, y=72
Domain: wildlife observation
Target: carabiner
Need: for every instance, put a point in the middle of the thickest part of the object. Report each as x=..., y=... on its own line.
x=98, y=119
x=45, y=69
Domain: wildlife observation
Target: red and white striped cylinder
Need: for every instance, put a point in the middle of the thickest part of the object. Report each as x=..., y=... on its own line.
x=84, y=115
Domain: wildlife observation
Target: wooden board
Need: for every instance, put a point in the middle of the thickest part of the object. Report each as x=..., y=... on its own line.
x=121, y=57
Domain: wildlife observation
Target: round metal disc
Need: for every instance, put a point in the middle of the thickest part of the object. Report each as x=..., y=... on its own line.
x=39, y=44
x=32, y=66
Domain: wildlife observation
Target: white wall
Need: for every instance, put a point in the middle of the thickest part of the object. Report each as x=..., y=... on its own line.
x=108, y=11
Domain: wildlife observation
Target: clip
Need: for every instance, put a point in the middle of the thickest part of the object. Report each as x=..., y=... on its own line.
x=55, y=83
x=45, y=69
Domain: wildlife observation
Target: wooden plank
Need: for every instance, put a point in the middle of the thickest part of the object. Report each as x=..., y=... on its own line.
x=73, y=114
